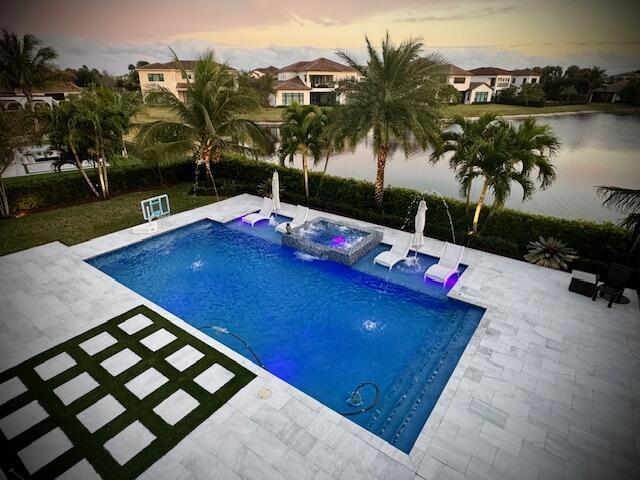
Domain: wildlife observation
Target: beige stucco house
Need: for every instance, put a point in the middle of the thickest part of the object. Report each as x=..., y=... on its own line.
x=311, y=83
x=167, y=75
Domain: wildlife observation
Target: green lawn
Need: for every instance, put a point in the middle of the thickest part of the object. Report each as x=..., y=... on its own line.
x=149, y=113
x=79, y=223
x=499, y=109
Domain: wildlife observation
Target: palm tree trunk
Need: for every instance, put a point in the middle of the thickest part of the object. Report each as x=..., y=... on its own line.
x=324, y=172
x=476, y=216
x=205, y=157
x=103, y=188
x=306, y=174
x=106, y=174
x=379, y=184
x=4, y=201
x=83, y=173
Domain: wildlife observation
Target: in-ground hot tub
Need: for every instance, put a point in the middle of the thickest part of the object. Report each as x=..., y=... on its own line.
x=333, y=240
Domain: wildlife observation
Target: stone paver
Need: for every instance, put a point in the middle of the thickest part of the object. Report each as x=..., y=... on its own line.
x=175, y=407
x=44, y=450
x=129, y=442
x=157, y=340
x=11, y=389
x=75, y=388
x=80, y=471
x=213, y=378
x=22, y=419
x=547, y=388
x=120, y=362
x=100, y=413
x=98, y=343
x=147, y=382
x=184, y=358
x=135, y=324
x=55, y=366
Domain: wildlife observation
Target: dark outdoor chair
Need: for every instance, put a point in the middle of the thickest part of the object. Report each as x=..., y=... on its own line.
x=613, y=283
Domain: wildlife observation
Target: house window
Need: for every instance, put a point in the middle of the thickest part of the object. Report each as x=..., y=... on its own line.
x=513, y=80
x=156, y=77
x=481, y=97
x=534, y=80
x=459, y=79
x=289, y=98
x=188, y=75
x=321, y=81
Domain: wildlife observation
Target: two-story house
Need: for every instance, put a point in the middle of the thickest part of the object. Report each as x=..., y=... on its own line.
x=167, y=75
x=496, y=78
x=463, y=81
x=311, y=83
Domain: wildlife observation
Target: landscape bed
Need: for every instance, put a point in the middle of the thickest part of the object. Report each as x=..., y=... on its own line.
x=321, y=326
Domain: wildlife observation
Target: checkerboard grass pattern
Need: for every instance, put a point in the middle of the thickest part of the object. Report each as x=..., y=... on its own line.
x=90, y=446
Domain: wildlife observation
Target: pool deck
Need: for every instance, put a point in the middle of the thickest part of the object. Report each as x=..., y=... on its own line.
x=548, y=387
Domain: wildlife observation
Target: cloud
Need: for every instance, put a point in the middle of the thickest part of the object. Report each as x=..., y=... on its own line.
x=470, y=15
x=115, y=56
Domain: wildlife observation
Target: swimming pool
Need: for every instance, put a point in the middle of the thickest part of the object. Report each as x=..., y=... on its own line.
x=319, y=325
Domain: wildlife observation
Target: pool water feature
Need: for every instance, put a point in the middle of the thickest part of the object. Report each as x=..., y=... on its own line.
x=333, y=240
x=321, y=326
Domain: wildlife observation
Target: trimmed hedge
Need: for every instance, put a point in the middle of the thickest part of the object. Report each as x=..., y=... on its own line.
x=29, y=193
x=507, y=232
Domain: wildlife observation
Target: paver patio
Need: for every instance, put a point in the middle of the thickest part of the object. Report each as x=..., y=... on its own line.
x=547, y=388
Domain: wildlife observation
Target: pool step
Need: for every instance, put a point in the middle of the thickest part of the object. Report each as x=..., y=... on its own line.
x=414, y=395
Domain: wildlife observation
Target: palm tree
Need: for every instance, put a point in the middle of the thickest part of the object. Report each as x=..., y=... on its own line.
x=627, y=202
x=24, y=64
x=301, y=133
x=500, y=154
x=464, y=141
x=206, y=124
x=105, y=116
x=396, y=99
x=66, y=133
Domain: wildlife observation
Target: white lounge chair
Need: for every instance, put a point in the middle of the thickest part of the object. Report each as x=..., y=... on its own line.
x=299, y=217
x=398, y=253
x=264, y=214
x=447, y=265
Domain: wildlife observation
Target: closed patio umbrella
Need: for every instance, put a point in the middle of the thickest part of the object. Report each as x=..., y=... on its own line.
x=275, y=191
x=421, y=219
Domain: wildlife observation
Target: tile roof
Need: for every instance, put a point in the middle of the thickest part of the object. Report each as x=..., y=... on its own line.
x=292, y=84
x=318, y=65
x=182, y=86
x=270, y=70
x=490, y=71
x=63, y=87
x=524, y=73
x=451, y=69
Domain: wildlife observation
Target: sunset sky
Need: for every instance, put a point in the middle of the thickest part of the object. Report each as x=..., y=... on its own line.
x=110, y=34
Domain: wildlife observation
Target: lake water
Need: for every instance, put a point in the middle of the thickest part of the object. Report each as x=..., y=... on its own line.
x=597, y=149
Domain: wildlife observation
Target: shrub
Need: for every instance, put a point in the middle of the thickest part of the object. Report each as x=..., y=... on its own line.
x=60, y=189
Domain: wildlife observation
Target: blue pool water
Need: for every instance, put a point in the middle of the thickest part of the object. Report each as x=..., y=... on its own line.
x=320, y=326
